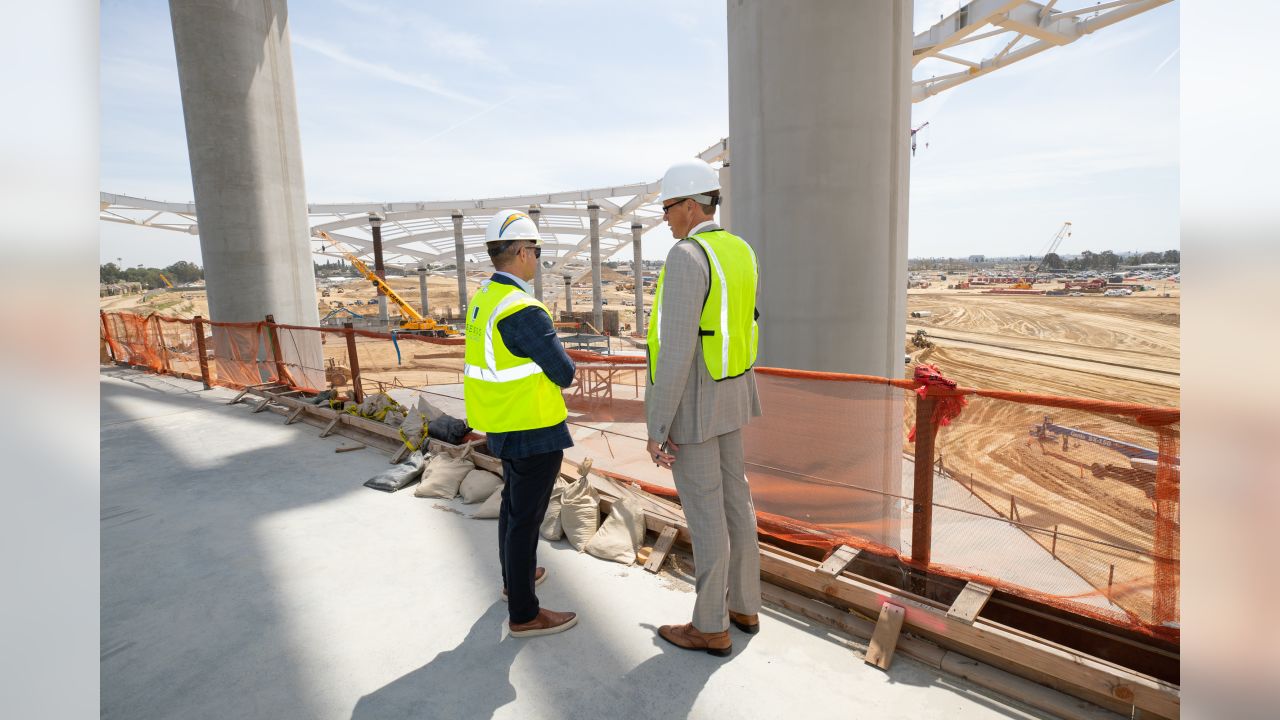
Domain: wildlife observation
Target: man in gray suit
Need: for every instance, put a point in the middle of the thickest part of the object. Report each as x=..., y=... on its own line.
x=701, y=392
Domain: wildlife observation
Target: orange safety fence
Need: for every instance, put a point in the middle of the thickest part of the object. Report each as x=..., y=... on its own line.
x=1066, y=501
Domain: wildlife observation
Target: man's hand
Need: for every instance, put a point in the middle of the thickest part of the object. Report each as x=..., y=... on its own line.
x=663, y=455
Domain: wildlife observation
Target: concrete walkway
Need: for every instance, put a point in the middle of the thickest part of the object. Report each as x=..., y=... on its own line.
x=247, y=574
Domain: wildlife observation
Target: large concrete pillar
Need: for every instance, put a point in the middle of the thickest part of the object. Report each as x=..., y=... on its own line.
x=819, y=110
x=536, y=214
x=597, y=307
x=460, y=259
x=422, y=291
x=568, y=294
x=637, y=275
x=379, y=267
x=236, y=80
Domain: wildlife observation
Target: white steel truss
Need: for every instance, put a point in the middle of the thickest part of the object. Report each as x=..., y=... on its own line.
x=1013, y=30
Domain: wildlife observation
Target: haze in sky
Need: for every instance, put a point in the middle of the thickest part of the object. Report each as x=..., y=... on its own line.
x=482, y=99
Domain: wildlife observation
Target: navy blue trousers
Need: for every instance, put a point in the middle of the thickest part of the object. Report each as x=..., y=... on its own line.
x=524, y=501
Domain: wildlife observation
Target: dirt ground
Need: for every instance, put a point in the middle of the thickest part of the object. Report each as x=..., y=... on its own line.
x=1106, y=348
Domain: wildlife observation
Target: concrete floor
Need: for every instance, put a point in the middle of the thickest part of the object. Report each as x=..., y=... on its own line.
x=247, y=574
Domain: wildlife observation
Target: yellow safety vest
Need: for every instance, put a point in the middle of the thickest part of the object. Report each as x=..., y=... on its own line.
x=505, y=392
x=727, y=327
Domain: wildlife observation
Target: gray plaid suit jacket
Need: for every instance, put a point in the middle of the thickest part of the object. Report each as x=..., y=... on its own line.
x=684, y=403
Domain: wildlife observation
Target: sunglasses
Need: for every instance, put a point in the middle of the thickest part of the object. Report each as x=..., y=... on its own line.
x=537, y=251
x=667, y=208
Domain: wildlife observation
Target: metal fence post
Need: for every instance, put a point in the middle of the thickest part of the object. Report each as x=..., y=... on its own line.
x=922, y=495
x=200, y=348
x=356, y=391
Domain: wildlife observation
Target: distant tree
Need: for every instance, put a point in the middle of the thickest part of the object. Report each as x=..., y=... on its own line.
x=1171, y=257
x=1108, y=260
x=1052, y=261
x=183, y=272
x=109, y=273
x=1151, y=257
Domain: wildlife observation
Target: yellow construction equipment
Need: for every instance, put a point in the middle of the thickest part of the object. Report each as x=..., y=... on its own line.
x=166, y=281
x=410, y=320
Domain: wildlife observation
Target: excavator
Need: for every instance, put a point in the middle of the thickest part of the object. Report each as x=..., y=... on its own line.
x=411, y=322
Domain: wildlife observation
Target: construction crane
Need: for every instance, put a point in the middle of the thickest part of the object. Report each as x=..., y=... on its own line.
x=410, y=320
x=1064, y=232
x=913, y=138
x=166, y=281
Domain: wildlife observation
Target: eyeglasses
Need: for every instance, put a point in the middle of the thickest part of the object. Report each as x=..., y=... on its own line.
x=667, y=208
x=537, y=251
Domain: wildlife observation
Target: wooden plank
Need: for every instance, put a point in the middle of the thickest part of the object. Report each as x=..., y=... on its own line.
x=293, y=416
x=970, y=602
x=839, y=560
x=1069, y=670
x=401, y=454
x=332, y=424
x=660, y=549
x=885, y=638
x=348, y=449
x=1034, y=694
x=262, y=405
x=238, y=397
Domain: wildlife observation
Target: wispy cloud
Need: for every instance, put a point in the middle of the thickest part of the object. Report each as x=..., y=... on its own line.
x=385, y=72
x=1166, y=61
x=435, y=35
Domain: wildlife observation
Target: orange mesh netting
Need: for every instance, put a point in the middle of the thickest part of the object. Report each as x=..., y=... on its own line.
x=1067, y=501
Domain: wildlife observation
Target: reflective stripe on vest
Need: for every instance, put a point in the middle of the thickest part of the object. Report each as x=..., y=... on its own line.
x=491, y=373
x=721, y=326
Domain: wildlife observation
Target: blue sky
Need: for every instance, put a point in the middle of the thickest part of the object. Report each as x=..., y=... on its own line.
x=416, y=101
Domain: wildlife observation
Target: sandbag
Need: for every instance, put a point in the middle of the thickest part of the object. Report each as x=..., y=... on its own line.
x=426, y=408
x=551, y=528
x=413, y=431
x=448, y=429
x=442, y=476
x=398, y=476
x=478, y=485
x=490, y=508
x=621, y=533
x=394, y=418
x=579, y=513
x=375, y=407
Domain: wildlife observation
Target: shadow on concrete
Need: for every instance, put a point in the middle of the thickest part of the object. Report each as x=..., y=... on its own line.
x=470, y=681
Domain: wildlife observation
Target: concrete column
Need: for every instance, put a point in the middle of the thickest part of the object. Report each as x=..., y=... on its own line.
x=536, y=214
x=423, y=272
x=460, y=259
x=236, y=80
x=568, y=294
x=725, y=199
x=597, y=308
x=822, y=196
x=637, y=274
x=379, y=268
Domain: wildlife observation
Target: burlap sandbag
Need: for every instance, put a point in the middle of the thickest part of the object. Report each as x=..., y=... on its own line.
x=551, y=529
x=442, y=477
x=478, y=485
x=579, y=513
x=621, y=533
x=489, y=508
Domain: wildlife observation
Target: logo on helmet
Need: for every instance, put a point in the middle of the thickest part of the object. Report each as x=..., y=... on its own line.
x=510, y=219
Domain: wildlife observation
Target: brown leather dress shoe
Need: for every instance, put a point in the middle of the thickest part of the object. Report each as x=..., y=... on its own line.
x=691, y=638
x=538, y=576
x=547, y=622
x=749, y=624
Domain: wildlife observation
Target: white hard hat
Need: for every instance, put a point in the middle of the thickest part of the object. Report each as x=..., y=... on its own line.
x=689, y=178
x=511, y=225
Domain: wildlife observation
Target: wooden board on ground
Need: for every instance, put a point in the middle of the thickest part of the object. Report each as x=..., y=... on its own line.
x=839, y=560
x=660, y=549
x=970, y=602
x=885, y=638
